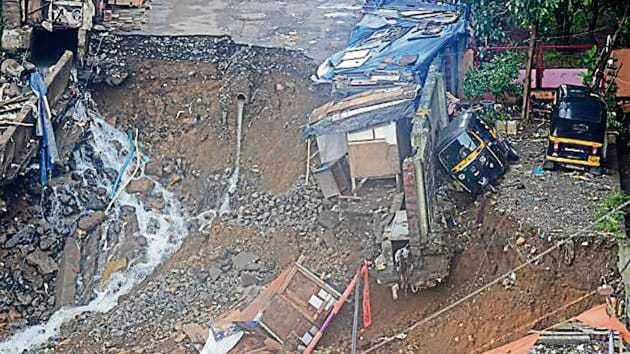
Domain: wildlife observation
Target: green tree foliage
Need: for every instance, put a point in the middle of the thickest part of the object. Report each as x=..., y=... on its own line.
x=497, y=76
x=528, y=13
x=488, y=21
x=589, y=60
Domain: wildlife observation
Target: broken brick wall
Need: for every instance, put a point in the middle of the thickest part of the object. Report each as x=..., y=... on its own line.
x=420, y=169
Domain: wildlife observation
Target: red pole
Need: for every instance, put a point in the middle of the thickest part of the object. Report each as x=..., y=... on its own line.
x=367, y=309
x=311, y=346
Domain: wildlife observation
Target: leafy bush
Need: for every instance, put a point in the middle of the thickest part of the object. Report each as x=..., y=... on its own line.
x=613, y=223
x=496, y=77
x=589, y=60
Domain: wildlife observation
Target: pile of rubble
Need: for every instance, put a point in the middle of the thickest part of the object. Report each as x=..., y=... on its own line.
x=109, y=54
x=299, y=208
x=14, y=90
x=32, y=236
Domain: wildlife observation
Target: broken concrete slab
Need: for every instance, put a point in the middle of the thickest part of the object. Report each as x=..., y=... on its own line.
x=245, y=261
x=17, y=39
x=66, y=278
x=329, y=219
x=43, y=261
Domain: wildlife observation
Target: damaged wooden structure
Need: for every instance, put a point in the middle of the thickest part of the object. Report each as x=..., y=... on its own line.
x=18, y=143
x=285, y=316
x=365, y=136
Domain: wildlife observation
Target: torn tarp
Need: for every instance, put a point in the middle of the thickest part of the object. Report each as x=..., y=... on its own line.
x=363, y=110
x=44, y=130
x=394, y=42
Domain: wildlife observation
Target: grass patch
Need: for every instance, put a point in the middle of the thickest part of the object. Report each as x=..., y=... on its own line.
x=612, y=224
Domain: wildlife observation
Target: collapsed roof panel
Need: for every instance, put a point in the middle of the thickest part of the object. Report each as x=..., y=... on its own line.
x=393, y=43
x=364, y=110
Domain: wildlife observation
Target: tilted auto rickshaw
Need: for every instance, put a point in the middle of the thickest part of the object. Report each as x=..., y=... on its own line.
x=577, y=136
x=472, y=153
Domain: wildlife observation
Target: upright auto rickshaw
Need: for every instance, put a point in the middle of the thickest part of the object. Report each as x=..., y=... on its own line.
x=472, y=153
x=577, y=136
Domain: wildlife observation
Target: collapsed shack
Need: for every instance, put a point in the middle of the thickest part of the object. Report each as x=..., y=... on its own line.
x=385, y=132
x=289, y=312
x=389, y=124
x=394, y=43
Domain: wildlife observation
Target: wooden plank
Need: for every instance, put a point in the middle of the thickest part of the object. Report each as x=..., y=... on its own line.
x=374, y=159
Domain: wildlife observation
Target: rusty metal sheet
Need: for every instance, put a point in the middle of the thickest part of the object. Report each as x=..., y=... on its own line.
x=623, y=77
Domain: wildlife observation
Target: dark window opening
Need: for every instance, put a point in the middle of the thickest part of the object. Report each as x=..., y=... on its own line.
x=48, y=47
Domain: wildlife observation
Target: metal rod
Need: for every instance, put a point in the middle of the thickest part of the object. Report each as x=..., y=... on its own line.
x=355, y=319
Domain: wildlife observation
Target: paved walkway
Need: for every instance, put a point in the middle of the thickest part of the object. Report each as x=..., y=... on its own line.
x=320, y=27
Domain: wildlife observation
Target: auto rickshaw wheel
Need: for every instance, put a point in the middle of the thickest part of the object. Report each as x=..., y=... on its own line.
x=512, y=153
x=549, y=165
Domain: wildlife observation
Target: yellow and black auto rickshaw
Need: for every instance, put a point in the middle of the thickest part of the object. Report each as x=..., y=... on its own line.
x=472, y=153
x=577, y=136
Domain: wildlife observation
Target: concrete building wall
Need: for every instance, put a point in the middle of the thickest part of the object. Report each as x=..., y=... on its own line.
x=420, y=169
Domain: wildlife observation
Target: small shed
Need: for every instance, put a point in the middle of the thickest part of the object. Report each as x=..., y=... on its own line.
x=369, y=130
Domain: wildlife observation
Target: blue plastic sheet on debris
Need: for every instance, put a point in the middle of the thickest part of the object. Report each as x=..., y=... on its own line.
x=331, y=125
x=394, y=37
x=48, y=153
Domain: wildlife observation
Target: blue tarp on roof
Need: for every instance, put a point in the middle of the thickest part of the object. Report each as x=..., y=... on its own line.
x=395, y=38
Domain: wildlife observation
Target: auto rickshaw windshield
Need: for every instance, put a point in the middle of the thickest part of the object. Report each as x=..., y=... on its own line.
x=458, y=150
x=585, y=111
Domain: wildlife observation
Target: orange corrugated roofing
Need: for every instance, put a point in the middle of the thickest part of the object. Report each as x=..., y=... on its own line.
x=596, y=317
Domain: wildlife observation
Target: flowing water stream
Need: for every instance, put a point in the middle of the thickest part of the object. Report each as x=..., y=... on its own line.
x=163, y=230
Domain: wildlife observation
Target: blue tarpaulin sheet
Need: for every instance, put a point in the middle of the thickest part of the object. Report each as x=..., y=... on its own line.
x=48, y=153
x=396, y=36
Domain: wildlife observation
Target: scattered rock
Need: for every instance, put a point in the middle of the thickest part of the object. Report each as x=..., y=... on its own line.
x=154, y=168
x=329, y=219
x=520, y=241
x=43, y=261
x=143, y=186
x=90, y=222
x=112, y=267
x=214, y=273
x=196, y=333
x=248, y=279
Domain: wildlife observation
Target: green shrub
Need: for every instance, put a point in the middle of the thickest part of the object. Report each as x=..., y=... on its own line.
x=497, y=77
x=612, y=224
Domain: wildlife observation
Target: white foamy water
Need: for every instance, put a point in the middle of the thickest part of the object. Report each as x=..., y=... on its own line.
x=164, y=232
x=340, y=6
x=233, y=181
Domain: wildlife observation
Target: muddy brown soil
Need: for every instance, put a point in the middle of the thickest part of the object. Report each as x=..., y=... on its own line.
x=178, y=107
x=504, y=312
